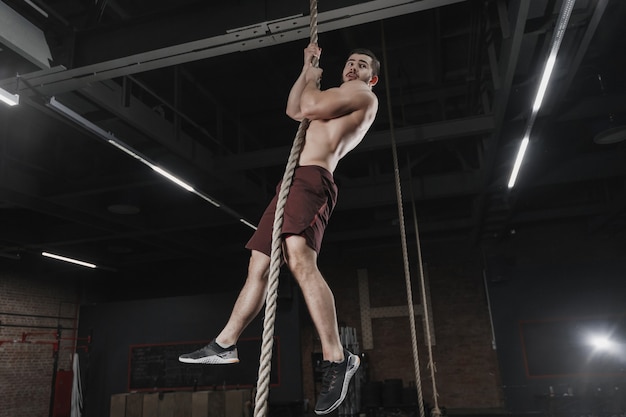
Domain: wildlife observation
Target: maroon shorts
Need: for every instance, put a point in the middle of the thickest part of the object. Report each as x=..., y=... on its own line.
x=312, y=197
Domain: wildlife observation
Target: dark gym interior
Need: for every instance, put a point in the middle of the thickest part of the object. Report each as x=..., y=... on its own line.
x=523, y=281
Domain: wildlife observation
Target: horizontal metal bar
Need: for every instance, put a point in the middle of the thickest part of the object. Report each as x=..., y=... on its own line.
x=232, y=41
x=30, y=326
x=39, y=316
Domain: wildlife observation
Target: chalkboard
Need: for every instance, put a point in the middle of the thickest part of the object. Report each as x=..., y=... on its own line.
x=156, y=366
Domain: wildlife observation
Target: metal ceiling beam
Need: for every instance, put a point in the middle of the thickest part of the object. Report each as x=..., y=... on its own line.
x=382, y=193
x=510, y=51
x=204, y=21
x=469, y=126
x=23, y=37
x=583, y=46
x=254, y=36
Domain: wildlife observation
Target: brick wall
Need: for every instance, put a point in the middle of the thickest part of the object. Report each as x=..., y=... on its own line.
x=30, y=305
x=467, y=371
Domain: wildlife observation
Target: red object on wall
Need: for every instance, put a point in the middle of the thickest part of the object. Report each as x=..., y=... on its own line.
x=63, y=394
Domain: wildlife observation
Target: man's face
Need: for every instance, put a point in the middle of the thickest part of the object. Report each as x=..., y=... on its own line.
x=359, y=67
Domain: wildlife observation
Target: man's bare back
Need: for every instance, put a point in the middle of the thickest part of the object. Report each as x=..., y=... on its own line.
x=340, y=117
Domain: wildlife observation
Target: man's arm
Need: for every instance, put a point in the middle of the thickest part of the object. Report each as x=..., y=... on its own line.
x=293, y=101
x=334, y=102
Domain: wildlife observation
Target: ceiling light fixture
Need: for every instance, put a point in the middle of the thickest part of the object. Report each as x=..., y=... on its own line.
x=126, y=149
x=70, y=260
x=518, y=161
x=247, y=223
x=173, y=178
x=54, y=104
x=557, y=37
x=611, y=135
x=8, y=98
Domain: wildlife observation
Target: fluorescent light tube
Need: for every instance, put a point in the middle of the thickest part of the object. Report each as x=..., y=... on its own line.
x=130, y=152
x=559, y=33
x=207, y=198
x=112, y=140
x=8, y=98
x=78, y=119
x=109, y=137
x=247, y=223
x=173, y=178
x=518, y=161
x=70, y=260
x=543, y=85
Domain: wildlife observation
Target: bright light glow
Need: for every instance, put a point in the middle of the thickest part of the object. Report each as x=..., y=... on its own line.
x=112, y=140
x=8, y=98
x=543, y=85
x=108, y=136
x=70, y=260
x=247, y=223
x=601, y=342
x=130, y=152
x=161, y=171
x=557, y=37
x=518, y=161
x=172, y=178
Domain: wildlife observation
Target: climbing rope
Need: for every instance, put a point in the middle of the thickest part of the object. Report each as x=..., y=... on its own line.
x=436, y=412
x=265, y=366
x=407, y=273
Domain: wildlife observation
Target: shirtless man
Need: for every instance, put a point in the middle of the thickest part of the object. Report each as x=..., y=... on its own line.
x=339, y=119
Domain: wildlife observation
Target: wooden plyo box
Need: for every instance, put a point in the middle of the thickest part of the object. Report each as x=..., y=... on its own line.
x=134, y=405
x=150, y=404
x=118, y=405
x=229, y=403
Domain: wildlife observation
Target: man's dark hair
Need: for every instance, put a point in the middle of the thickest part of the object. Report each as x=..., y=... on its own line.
x=375, y=61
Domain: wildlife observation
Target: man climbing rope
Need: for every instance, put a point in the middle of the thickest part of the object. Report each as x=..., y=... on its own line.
x=339, y=119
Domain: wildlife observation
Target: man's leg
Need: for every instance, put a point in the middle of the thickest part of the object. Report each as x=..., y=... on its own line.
x=302, y=261
x=250, y=300
x=339, y=365
x=222, y=349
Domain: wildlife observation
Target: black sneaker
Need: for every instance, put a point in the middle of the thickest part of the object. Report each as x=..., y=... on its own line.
x=335, y=382
x=212, y=354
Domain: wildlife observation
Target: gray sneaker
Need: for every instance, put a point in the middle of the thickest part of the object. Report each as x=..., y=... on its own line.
x=212, y=354
x=335, y=382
